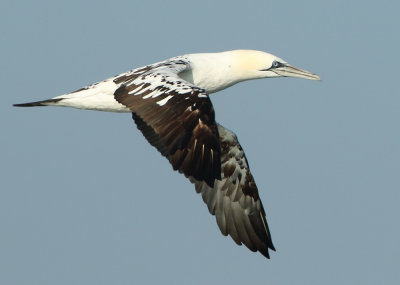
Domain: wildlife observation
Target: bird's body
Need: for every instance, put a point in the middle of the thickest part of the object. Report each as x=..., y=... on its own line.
x=170, y=104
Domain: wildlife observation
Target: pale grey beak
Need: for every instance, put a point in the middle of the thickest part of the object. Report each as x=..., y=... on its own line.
x=291, y=71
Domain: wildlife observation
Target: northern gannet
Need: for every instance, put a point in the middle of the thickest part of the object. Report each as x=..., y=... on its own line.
x=170, y=105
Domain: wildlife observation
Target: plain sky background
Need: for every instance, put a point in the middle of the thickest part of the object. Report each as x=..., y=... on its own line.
x=85, y=199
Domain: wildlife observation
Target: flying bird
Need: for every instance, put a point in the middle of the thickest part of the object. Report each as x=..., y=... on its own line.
x=170, y=104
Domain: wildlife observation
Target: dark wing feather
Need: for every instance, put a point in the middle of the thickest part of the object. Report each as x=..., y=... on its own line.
x=175, y=117
x=234, y=199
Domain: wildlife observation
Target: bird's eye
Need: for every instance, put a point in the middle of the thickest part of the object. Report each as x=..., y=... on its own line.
x=276, y=64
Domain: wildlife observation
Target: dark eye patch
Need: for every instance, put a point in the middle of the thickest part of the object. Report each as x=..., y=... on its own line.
x=276, y=64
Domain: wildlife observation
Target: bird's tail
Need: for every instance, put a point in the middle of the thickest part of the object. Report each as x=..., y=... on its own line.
x=99, y=97
x=48, y=102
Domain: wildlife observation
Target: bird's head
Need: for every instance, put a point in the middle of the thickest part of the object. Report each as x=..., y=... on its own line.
x=257, y=64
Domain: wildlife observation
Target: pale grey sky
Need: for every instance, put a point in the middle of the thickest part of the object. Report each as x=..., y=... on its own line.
x=86, y=200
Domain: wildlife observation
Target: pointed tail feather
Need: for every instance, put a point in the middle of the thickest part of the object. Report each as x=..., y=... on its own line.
x=38, y=103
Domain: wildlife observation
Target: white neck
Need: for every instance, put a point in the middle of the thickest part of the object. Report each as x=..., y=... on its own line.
x=217, y=71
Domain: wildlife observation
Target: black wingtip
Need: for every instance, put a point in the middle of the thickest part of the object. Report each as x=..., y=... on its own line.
x=38, y=103
x=265, y=253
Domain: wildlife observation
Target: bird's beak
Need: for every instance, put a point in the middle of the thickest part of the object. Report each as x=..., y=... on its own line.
x=290, y=71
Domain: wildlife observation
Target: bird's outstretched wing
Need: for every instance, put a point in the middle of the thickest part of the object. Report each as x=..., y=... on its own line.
x=175, y=116
x=234, y=199
x=178, y=119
